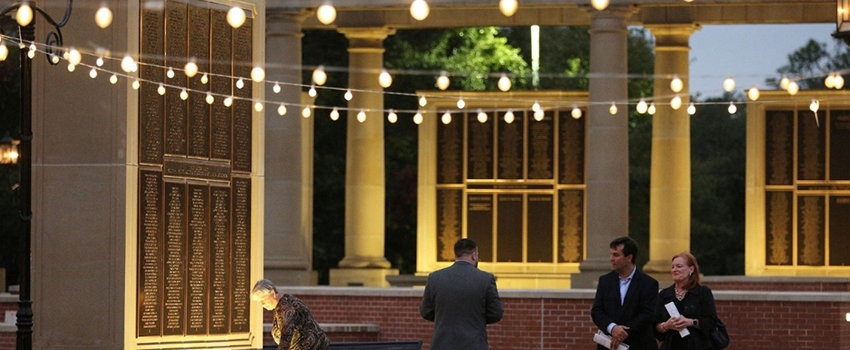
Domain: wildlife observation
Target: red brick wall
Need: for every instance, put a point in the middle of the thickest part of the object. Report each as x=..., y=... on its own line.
x=7, y=340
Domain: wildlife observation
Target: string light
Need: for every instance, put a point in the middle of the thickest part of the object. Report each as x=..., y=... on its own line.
x=460, y=103
x=348, y=95
x=419, y=10
x=692, y=109
x=784, y=82
x=793, y=88
x=99, y=62
x=829, y=82
x=422, y=101
x=676, y=84
x=160, y=90
x=839, y=81
x=447, y=118
x=392, y=117
x=509, y=116
x=258, y=106
x=385, y=79
x=103, y=17
x=729, y=84
x=24, y=15
x=306, y=112
x=276, y=88
x=210, y=98
x=228, y=101
x=93, y=73
x=312, y=92
x=536, y=106
x=236, y=17
x=443, y=81
x=136, y=84
x=814, y=106
x=482, y=117
x=504, y=83
x=538, y=115
x=240, y=84
x=417, y=118
x=361, y=116
x=71, y=67
x=281, y=110
x=258, y=74
x=575, y=113
x=613, y=108
x=676, y=102
x=326, y=14
x=334, y=114
x=31, y=52
x=191, y=68
x=599, y=4
x=508, y=7
x=184, y=95
x=732, y=108
x=170, y=73
x=128, y=65
x=753, y=93
x=319, y=76
x=204, y=79
x=651, y=108
x=113, y=79
x=4, y=51
x=641, y=106
x=74, y=57
x=54, y=59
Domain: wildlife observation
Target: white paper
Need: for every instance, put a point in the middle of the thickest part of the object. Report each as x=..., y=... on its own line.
x=674, y=312
x=605, y=340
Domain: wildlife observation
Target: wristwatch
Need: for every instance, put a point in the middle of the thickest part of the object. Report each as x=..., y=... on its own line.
x=695, y=321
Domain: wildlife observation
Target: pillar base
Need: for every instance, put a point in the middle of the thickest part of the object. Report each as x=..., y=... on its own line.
x=289, y=277
x=590, y=272
x=349, y=277
x=364, y=262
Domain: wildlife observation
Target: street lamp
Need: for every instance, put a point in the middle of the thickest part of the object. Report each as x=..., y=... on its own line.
x=842, y=21
x=25, y=16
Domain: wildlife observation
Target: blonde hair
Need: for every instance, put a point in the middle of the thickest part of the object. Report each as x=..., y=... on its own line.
x=690, y=260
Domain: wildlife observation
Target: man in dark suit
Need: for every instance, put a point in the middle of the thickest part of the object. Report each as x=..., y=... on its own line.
x=461, y=300
x=625, y=300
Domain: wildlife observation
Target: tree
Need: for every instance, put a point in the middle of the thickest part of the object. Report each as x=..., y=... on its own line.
x=813, y=61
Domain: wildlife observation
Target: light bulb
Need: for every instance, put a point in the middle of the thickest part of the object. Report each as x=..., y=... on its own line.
x=676, y=84
x=160, y=90
x=613, y=108
x=443, y=81
x=392, y=117
x=4, y=51
x=829, y=82
x=814, y=106
x=839, y=81
x=236, y=17
x=210, y=98
x=71, y=67
x=538, y=115
x=729, y=84
x=128, y=65
x=306, y=112
x=575, y=113
x=312, y=92
x=753, y=93
x=334, y=114
x=24, y=15
x=326, y=14
x=204, y=79
x=446, y=118
x=113, y=79
x=641, y=106
x=191, y=68
x=509, y=117
x=692, y=109
x=276, y=88
x=319, y=76
x=170, y=73
x=258, y=74
x=732, y=108
x=348, y=96
x=281, y=110
x=228, y=101
x=482, y=117
x=54, y=59
x=258, y=106
x=508, y=7
x=599, y=4
x=99, y=62
x=184, y=95
x=361, y=116
x=417, y=118
x=31, y=52
x=240, y=84
x=676, y=102
x=460, y=103
x=93, y=73
x=535, y=106
x=136, y=84
x=419, y=10
x=385, y=79
x=783, y=83
x=103, y=17
x=651, y=109
x=504, y=83
x=793, y=88
x=422, y=101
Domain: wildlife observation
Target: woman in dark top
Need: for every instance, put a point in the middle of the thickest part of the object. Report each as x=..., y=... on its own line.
x=294, y=327
x=695, y=304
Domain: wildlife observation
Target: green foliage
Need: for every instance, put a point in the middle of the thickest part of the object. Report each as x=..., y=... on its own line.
x=814, y=61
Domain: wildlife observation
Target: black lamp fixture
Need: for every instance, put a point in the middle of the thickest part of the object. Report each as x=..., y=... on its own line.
x=25, y=15
x=842, y=21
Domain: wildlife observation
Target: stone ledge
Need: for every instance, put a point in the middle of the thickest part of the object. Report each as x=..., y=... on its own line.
x=9, y=298
x=775, y=279
x=8, y=327
x=340, y=327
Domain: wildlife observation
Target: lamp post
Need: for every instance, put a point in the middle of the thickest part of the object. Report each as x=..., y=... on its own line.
x=842, y=21
x=25, y=16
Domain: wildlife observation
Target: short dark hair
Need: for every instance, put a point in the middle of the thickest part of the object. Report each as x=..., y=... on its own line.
x=630, y=247
x=464, y=247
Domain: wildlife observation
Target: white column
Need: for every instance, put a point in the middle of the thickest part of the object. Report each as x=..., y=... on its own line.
x=607, y=143
x=288, y=183
x=364, y=262
x=670, y=177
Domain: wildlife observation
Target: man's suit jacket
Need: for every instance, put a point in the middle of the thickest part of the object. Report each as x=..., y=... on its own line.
x=636, y=312
x=461, y=300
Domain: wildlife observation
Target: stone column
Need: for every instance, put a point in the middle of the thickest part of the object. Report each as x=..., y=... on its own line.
x=670, y=177
x=607, y=177
x=364, y=263
x=288, y=209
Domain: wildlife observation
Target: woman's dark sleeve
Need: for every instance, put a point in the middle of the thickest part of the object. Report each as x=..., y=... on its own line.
x=660, y=315
x=708, y=311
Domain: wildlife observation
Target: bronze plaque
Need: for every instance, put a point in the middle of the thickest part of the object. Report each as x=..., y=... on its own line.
x=199, y=110
x=541, y=147
x=511, y=139
x=479, y=226
x=810, y=230
x=540, y=228
x=151, y=104
x=509, y=228
x=241, y=251
x=450, y=153
x=779, y=213
x=839, y=230
x=839, y=145
x=220, y=260
x=198, y=259
x=221, y=55
x=570, y=225
x=449, y=218
x=174, y=322
x=811, y=147
x=779, y=147
x=198, y=170
x=149, y=278
x=480, y=148
x=242, y=108
x=176, y=27
x=570, y=148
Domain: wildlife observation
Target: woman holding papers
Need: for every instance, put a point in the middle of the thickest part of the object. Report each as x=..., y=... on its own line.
x=685, y=312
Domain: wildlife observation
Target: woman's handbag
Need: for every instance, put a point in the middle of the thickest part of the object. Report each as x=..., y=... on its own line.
x=719, y=336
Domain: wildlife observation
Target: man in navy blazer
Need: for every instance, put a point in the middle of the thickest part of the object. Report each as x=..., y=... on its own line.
x=625, y=300
x=461, y=300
